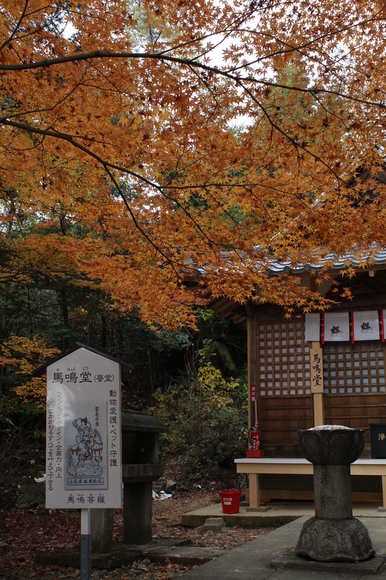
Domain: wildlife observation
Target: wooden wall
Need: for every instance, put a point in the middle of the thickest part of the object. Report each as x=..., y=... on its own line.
x=280, y=419
x=356, y=411
x=282, y=416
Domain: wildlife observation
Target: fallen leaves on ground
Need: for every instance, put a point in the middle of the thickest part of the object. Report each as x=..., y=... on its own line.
x=25, y=532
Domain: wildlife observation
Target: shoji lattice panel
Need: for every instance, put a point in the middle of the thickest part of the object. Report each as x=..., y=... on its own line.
x=353, y=368
x=284, y=359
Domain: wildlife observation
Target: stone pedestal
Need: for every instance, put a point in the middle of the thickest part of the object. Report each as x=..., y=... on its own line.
x=334, y=541
x=332, y=492
x=333, y=535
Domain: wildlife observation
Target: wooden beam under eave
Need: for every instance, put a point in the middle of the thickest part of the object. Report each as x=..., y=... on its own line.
x=222, y=306
x=239, y=318
x=227, y=308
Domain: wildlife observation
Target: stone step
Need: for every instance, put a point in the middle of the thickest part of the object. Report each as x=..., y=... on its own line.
x=171, y=549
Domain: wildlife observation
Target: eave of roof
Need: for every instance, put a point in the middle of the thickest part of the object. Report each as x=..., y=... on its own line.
x=377, y=259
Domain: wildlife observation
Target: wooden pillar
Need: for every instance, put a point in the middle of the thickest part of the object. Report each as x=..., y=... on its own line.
x=316, y=356
x=383, y=492
x=254, y=490
x=252, y=364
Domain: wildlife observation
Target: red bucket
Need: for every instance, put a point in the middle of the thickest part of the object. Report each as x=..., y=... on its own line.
x=230, y=500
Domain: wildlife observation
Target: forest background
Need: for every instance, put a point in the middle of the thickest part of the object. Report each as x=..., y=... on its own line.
x=156, y=153
x=194, y=381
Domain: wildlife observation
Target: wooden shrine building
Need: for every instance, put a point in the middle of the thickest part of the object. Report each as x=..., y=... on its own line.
x=319, y=368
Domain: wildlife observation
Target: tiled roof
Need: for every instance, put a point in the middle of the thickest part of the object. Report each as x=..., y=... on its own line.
x=377, y=258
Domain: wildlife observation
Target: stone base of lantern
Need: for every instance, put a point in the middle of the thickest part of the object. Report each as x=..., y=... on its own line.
x=344, y=540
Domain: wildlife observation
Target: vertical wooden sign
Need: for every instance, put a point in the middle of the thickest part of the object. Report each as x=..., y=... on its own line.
x=316, y=356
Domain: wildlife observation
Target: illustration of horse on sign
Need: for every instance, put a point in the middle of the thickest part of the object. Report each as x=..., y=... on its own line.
x=85, y=457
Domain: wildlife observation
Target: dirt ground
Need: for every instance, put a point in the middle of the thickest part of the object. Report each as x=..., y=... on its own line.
x=25, y=532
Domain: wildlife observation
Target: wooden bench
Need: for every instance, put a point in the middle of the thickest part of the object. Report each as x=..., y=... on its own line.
x=254, y=467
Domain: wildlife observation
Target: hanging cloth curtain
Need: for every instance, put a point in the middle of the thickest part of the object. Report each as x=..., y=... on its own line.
x=365, y=325
x=335, y=327
x=312, y=333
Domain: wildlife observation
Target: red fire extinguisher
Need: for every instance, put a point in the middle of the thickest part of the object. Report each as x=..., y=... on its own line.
x=254, y=437
x=254, y=442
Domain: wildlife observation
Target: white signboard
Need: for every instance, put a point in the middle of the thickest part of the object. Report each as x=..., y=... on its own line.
x=83, y=452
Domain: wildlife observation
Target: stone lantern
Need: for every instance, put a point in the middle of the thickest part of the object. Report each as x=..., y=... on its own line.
x=333, y=535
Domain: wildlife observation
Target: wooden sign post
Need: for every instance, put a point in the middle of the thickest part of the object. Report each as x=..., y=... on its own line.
x=85, y=545
x=83, y=451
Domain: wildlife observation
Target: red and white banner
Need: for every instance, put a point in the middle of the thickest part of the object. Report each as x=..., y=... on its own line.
x=345, y=326
x=365, y=325
x=335, y=327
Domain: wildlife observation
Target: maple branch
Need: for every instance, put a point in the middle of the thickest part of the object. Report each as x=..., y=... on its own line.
x=9, y=39
x=135, y=221
x=299, y=48
x=35, y=145
x=116, y=89
x=223, y=208
x=54, y=106
x=187, y=213
x=232, y=28
x=32, y=32
x=182, y=61
x=328, y=112
x=207, y=187
x=106, y=164
x=235, y=185
x=70, y=139
x=205, y=83
x=311, y=91
x=107, y=167
x=291, y=140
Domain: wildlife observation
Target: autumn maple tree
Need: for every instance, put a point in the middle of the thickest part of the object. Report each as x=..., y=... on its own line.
x=145, y=141
x=23, y=355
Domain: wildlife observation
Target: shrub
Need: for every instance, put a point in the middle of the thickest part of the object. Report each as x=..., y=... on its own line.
x=206, y=421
